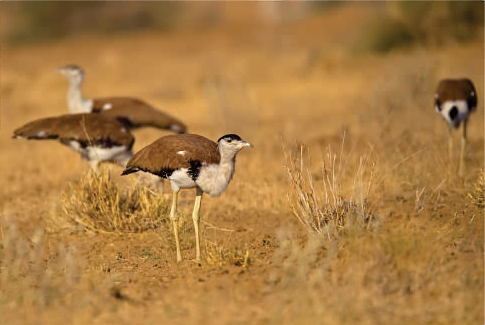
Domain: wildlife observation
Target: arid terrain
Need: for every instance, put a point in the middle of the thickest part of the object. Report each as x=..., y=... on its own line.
x=407, y=246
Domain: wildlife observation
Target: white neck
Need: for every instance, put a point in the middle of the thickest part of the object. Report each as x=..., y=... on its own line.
x=218, y=176
x=75, y=100
x=225, y=172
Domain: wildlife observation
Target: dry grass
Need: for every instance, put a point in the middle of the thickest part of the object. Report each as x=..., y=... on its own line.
x=219, y=256
x=399, y=263
x=35, y=274
x=419, y=261
x=328, y=208
x=476, y=195
x=375, y=273
x=96, y=203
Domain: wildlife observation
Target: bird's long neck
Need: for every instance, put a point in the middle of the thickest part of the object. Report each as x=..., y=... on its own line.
x=75, y=100
x=223, y=175
x=226, y=167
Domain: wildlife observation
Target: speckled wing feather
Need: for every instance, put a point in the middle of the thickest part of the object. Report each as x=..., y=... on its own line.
x=173, y=152
x=94, y=129
x=136, y=113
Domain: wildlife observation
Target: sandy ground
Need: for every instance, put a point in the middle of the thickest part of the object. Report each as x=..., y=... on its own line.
x=277, y=88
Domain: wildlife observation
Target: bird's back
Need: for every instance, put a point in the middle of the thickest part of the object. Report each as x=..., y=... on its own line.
x=136, y=113
x=173, y=152
x=456, y=89
x=93, y=129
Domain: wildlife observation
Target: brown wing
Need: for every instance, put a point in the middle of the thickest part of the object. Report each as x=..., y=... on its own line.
x=95, y=129
x=173, y=152
x=456, y=89
x=136, y=113
x=453, y=89
x=106, y=103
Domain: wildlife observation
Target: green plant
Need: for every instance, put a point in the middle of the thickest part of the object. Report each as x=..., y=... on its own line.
x=424, y=22
x=387, y=34
x=38, y=20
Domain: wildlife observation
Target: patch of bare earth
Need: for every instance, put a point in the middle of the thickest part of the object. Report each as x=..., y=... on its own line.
x=419, y=261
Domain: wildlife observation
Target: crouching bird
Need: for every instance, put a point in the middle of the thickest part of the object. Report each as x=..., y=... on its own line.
x=132, y=112
x=190, y=161
x=97, y=138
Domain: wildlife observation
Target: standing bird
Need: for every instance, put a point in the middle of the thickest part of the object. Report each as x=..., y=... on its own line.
x=455, y=99
x=132, y=112
x=190, y=161
x=96, y=137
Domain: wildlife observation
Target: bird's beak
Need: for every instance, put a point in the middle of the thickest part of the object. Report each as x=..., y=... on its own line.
x=247, y=144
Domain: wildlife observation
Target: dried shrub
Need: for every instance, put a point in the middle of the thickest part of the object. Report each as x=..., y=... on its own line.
x=476, y=195
x=40, y=20
x=388, y=34
x=403, y=23
x=97, y=204
x=328, y=209
x=220, y=256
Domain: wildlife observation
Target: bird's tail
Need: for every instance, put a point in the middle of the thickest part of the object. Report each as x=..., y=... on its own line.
x=130, y=170
x=39, y=129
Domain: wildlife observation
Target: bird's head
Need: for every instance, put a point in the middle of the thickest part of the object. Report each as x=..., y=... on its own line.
x=231, y=143
x=72, y=72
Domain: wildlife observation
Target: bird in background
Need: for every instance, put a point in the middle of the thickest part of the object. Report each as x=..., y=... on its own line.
x=96, y=137
x=133, y=112
x=455, y=100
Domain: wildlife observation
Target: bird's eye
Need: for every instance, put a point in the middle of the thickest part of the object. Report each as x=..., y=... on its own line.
x=229, y=140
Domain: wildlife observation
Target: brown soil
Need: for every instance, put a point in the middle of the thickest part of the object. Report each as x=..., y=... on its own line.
x=301, y=83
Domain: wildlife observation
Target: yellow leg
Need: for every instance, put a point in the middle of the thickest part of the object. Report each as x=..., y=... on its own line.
x=450, y=145
x=461, y=171
x=94, y=166
x=174, y=217
x=196, y=219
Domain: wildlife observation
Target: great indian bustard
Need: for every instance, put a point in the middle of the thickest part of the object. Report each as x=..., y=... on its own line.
x=190, y=161
x=455, y=99
x=131, y=111
x=96, y=137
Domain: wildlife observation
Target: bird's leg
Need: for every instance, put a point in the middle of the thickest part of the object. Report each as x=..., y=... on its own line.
x=450, y=145
x=196, y=219
x=94, y=166
x=174, y=217
x=461, y=170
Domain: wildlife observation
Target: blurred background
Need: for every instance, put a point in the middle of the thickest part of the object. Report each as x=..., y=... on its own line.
x=393, y=24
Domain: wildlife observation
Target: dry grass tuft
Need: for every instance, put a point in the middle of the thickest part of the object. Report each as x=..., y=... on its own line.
x=221, y=256
x=377, y=273
x=328, y=208
x=476, y=195
x=29, y=273
x=97, y=204
x=39, y=275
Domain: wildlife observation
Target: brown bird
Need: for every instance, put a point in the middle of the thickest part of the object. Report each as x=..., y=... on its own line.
x=96, y=137
x=455, y=99
x=190, y=161
x=131, y=111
